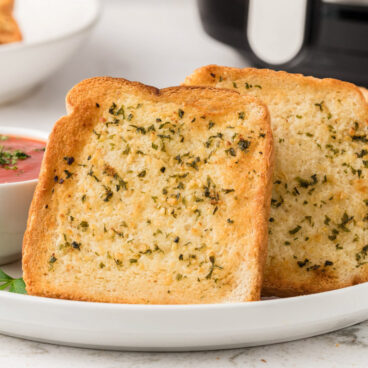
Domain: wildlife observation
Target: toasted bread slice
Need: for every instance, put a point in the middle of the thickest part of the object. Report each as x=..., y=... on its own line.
x=9, y=29
x=149, y=196
x=319, y=211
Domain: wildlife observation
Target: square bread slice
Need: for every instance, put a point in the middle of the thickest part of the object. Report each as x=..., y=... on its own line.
x=152, y=196
x=319, y=211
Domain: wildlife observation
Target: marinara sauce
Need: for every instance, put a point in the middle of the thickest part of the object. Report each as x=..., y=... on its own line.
x=20, y=158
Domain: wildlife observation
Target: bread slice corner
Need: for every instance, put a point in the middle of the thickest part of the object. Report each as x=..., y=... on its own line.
x=364, y=92
x=9, y=29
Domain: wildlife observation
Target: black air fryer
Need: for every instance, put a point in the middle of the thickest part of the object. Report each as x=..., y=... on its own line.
x=324, y=38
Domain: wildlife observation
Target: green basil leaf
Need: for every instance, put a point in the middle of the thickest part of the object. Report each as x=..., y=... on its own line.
x=18, y=286
x=13, y=285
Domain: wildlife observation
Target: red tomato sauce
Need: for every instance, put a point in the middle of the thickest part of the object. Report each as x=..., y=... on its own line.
x=20, y=158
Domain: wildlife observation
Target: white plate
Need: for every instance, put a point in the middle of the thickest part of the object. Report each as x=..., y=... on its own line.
x=182, y=327
x=52, y=30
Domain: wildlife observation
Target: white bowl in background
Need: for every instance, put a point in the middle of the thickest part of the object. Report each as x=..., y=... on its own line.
x=52, y=30
x=15, y=199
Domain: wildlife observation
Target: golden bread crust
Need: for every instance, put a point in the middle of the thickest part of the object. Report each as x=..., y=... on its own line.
x=9, y=29
x=6, y=6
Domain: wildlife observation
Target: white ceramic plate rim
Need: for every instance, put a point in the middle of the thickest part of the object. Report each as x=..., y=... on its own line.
x=27, y=133
x=68, y=34
x=180, y=327
x=214, y=306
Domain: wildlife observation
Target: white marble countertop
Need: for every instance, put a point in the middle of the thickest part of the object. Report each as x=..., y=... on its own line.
x=157, y=42
x=345, y=348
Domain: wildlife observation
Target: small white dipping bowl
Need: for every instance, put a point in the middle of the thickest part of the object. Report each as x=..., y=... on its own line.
x=15, y=199
x=52, y=30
